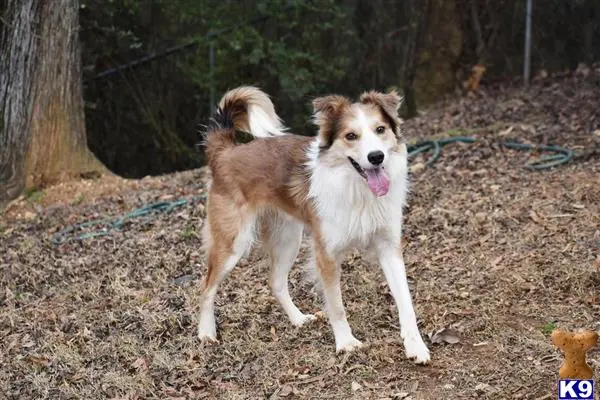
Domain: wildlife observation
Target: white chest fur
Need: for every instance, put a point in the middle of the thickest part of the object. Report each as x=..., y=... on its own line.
x=351, y=215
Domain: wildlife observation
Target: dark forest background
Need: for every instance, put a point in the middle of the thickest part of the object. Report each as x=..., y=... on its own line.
x=144, y=119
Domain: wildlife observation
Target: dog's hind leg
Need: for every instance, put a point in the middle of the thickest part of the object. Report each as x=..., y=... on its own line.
x=228, y=236
x=282, y=237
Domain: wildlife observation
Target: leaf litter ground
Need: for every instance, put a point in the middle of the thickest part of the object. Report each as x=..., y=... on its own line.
x=497, y=257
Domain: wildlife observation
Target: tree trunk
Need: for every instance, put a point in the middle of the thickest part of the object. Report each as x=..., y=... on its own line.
x=418, y=12
x=440, y=45
x=58, y=148
x=18, y=44
x=477, y=31
x=42, y=126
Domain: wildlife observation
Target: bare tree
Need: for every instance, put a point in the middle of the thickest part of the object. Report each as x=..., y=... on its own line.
x=18, y=44
x=43, y=137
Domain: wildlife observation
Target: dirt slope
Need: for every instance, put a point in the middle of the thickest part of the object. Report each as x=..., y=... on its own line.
x=497, y=253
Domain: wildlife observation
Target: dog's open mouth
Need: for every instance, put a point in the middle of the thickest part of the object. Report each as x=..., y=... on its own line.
x=377, y=178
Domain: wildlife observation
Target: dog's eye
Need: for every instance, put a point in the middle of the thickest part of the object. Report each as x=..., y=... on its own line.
x=351, y=136
x=380, y=129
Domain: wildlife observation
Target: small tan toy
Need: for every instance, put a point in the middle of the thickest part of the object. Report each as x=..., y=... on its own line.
x=472, y=83
x=575, y=345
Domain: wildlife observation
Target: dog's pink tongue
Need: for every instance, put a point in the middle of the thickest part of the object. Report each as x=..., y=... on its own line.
x=378, y=180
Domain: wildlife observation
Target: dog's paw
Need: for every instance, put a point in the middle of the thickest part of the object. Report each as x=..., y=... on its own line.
x=207, y=338
x=303, y=319
x=207, y=333
x=349, y=345
x=416, y=349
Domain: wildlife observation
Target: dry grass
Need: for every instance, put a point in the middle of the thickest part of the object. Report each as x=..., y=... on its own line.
x=497, y=253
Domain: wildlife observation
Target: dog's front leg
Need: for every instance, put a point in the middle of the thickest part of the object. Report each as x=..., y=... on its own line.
x=329, y=271
x=392, y=263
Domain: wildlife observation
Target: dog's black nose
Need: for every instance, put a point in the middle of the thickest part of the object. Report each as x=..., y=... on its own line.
x=376, y=157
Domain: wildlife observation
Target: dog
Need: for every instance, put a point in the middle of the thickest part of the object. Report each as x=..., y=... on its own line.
x=347, y=185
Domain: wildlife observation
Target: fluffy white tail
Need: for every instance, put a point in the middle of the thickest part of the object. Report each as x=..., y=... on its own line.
x=252, y=112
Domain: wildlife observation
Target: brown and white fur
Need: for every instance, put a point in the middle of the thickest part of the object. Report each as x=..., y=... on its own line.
x=269, y=189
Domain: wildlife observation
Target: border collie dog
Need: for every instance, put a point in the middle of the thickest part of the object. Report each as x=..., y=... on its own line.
x=347, y=186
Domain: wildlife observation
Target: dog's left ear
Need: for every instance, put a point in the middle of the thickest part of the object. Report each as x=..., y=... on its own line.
x=389, y=103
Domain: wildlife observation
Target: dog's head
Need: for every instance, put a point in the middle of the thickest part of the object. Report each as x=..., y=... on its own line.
x=362, y=135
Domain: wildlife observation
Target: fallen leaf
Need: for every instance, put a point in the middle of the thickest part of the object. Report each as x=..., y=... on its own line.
x=482, y=387
x=41, y=361
x=274, y=334
x=352, y=368
x=183, y=279
x=497, y=261
x=417, y=167
x=582, y=70
x=286, y=390
x=445, y=335
x=26, y=342
x=372, y=386
x=28, y=215
x=542, y=74
x=507, y=131
x=403, y=242
x=535, y=217
x=414, y=386
x=481, y=216
x=140, y=364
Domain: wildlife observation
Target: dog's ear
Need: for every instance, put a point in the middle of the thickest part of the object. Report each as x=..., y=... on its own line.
x=328, y=107
x=389, y=103
x=326, y=112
